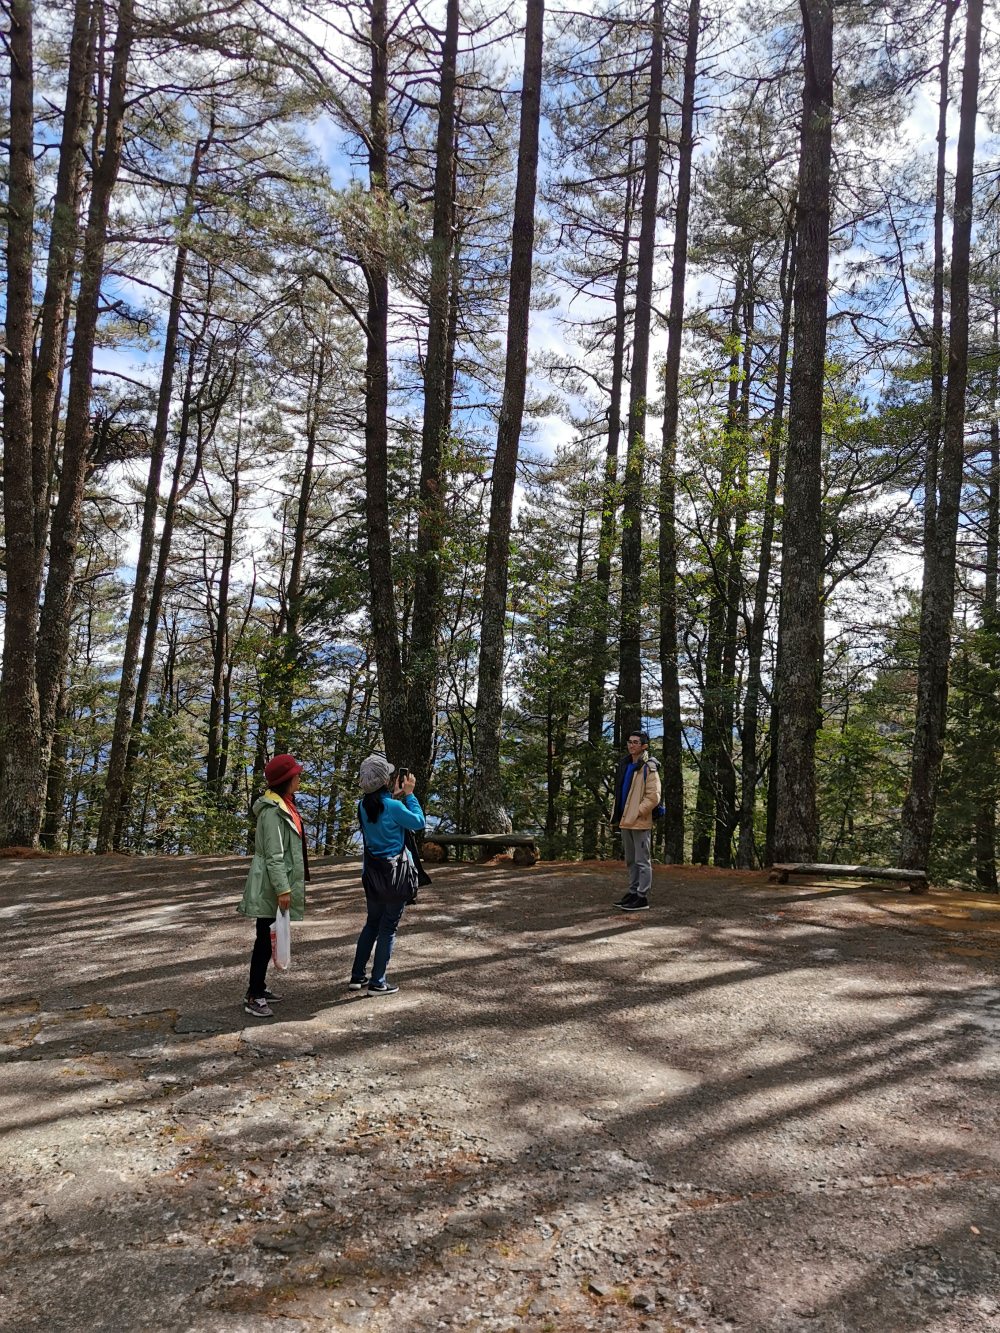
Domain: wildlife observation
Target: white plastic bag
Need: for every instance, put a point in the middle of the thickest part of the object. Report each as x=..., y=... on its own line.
x=281, y=941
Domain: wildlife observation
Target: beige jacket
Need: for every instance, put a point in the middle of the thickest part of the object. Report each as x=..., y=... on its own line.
x=643, y=797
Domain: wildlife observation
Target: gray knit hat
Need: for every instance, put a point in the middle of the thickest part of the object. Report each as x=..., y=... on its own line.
x=375, y=773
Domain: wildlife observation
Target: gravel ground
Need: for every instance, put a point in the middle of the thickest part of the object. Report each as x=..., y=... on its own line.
x=751, y=1108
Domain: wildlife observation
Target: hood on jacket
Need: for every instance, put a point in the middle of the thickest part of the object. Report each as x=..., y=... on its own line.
x=269, y=798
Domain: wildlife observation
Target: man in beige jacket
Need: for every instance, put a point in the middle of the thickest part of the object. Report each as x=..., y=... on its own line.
x=637, y=794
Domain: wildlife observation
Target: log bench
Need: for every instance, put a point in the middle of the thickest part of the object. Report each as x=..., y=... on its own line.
x=525, y=845
x=916, y=880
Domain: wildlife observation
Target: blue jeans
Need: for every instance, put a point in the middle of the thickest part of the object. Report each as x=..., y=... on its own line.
x=378, y=932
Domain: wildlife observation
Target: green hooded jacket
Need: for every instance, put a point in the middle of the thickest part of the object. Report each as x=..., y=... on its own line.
x=277, y=865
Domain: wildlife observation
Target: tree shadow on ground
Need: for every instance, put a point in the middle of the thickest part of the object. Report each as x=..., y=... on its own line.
x=710, y=1057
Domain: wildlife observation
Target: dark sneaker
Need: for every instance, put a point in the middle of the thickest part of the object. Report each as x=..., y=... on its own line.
x=258, y=1008
x=385, y=988
x=358, y=985
x=629, y=897
x=638, y=904
x=270, y=996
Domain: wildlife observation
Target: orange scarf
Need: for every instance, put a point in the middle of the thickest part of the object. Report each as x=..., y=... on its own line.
x=296, y=817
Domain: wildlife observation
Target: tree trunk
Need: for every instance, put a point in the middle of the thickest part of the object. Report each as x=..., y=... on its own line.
x=771, y=808
x=488, y=808
x=720, y=554
x=673, y=729
x=285, y=693
x=74, y=805
x=595, y=763
x=48, y=370
x=987, y=733
x=708, y=759
x=114, y=788
x=215, y=768
x=937, y=317
x=169, y=703
x=726, y=814
x=333, y=793
x=799, y=681
x=630, y=645
x=395, y=728
x=54, y=629
x=22, y=768
x=986, y=813
x=260, y=753
x=758, y=623
x=704, y=808
x=227, y=717
x=55, y=785
x=346, y=816
x=236, y=773
x=938, y=594
x=155, y=602
x=428, y=593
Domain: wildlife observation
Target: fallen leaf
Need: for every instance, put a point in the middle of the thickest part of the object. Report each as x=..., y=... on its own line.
x=975, y=1230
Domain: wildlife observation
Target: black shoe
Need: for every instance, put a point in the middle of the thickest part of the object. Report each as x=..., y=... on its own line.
x=638, y=904
x=258, y=1008
x=386, y=988
x=269, y=996
x=629, y=897
x=357, y=985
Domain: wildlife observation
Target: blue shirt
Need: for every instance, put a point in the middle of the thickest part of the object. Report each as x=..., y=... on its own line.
x=627, y=780
x=385, y=838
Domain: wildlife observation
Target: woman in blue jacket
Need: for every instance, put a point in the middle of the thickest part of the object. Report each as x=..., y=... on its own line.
x=388, y=872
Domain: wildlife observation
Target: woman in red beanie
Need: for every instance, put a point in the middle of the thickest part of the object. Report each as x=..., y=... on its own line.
x=278, y=872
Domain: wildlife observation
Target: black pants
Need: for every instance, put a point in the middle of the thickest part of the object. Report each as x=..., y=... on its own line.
x=260, y=958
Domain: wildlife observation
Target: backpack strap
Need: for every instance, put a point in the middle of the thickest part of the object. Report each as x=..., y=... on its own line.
x=659, y=809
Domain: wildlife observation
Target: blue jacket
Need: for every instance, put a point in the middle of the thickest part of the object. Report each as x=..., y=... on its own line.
x=385, y=838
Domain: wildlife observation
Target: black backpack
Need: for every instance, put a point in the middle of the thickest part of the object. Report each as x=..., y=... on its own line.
x=661, y=809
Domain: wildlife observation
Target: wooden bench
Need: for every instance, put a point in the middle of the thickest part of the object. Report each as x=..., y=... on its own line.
x=916, y=880
x=525, y=845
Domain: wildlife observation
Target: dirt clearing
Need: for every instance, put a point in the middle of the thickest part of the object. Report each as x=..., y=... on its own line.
x=750, y=1108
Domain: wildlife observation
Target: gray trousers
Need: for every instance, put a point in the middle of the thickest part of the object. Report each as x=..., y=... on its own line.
x=638, y=844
